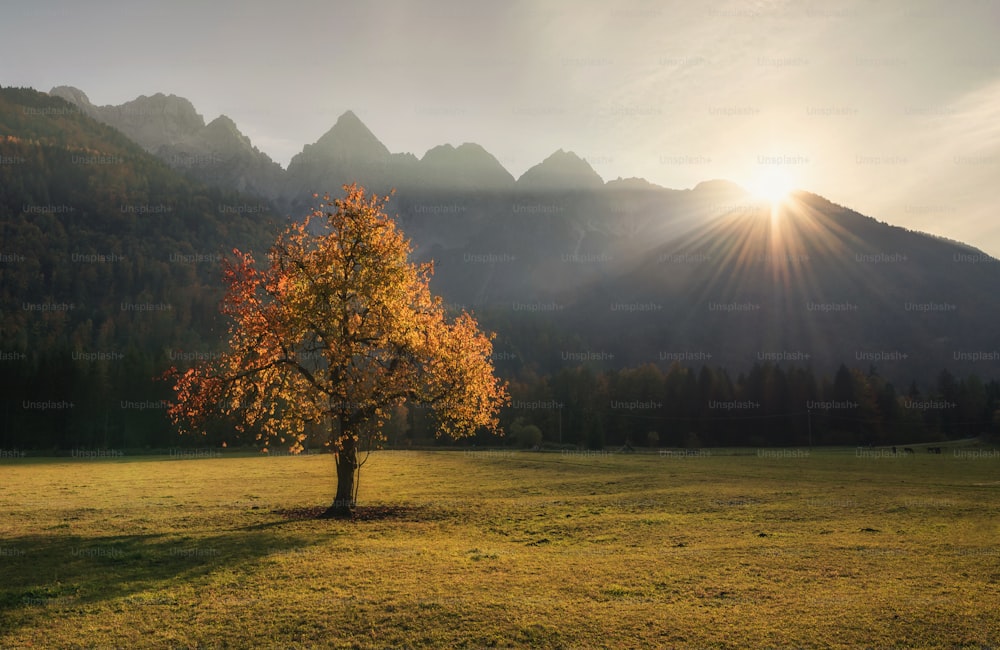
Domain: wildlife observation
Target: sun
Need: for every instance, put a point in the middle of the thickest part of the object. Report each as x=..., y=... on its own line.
x=772, y=186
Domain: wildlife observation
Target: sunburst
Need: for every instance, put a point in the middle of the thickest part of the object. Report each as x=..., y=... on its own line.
x=773, y=186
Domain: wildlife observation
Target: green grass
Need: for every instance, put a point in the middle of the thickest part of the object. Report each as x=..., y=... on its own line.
x=503, y=550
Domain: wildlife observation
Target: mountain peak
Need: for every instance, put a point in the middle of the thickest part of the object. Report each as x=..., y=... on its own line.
x=350, y=138
x=221, y=136
x=224, y=123
x=167, y=105
x=468, y=166
x=633, y=183
x=72, y=95
x=350, y=117
x=152, y=122
x=561, y=170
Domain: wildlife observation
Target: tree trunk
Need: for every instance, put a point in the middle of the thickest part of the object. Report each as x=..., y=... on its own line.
x=347, y=464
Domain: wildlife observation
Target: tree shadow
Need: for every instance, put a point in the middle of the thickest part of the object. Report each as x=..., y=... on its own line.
x=45, y=573
x=377, y=512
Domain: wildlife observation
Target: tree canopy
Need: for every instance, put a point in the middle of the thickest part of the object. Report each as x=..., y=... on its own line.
x=337, y=330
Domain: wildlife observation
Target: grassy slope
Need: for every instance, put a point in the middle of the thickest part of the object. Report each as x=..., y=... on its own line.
x=499, y=550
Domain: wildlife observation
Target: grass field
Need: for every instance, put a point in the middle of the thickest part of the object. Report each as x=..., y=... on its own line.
x=503, y=549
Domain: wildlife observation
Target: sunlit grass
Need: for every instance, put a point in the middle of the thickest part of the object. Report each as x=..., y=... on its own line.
x=500, y=550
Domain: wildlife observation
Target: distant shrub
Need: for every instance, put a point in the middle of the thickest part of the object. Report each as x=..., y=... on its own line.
x=529, y=436
x=525, y=435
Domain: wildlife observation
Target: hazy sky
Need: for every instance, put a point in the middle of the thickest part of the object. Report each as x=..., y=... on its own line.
x=889, y=107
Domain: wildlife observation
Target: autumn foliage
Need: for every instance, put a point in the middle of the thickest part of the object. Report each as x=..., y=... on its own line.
x=338, y=329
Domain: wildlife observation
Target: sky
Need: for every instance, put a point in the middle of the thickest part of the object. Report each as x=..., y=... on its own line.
x=889, y=107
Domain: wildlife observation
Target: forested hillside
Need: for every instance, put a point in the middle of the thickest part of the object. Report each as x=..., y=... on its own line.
x=110, y=271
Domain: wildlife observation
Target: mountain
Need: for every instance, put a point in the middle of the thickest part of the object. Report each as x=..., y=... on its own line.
x=563, y=170
x=150, y=121
x=813, y=283
x=644, y=272
x=220, y=155
x=545, y=244
x=349, y=140
x=110, y=255
x=348, y=152
x=467, y=167
x=110, y=272
x=170, y=128
x=630, y=266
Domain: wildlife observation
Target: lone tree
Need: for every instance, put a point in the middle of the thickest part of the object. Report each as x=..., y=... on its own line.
x=339, y=330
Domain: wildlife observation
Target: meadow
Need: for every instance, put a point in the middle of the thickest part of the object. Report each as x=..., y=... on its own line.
x=496, y=549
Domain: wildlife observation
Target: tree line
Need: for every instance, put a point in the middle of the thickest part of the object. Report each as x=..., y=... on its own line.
x=71, y=400
x=769, y=405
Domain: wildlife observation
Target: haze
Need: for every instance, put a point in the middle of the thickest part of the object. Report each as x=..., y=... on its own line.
x=890, y=108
